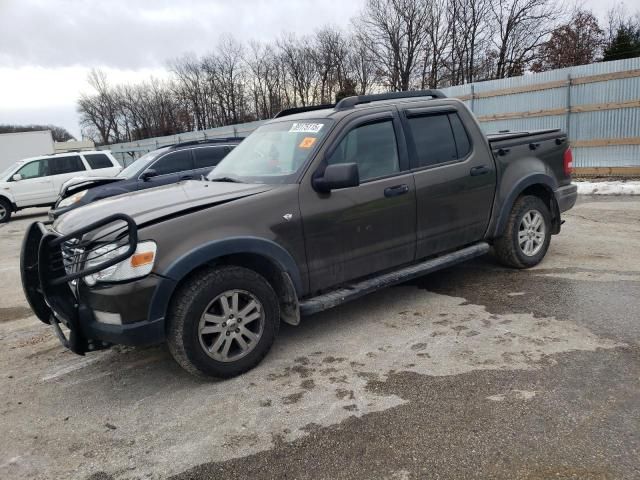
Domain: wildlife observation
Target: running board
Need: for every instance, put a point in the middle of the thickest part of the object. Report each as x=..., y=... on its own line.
x=357, y=290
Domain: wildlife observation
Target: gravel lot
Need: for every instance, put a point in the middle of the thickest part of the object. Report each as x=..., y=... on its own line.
x=474, y=372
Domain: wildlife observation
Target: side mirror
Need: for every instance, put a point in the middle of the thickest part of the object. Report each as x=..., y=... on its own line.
x=147, y=174
x=340, y=175
x=17, y=177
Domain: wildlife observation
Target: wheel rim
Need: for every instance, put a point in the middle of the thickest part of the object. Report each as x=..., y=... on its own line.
x=231, y=325
x=532, y=232
x=3, y=212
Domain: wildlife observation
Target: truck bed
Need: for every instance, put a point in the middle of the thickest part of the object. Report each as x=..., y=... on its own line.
x=497, y=139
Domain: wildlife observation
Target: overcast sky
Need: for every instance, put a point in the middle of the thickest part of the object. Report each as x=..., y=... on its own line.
x=47, y=47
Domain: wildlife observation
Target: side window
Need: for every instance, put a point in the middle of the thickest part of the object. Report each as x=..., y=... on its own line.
x=98, y=160
x=209, y=156
x=460, y=134
x=173, y=163
x=62, y=165
x=433, y=139
x=373, y=147
x=35, y=169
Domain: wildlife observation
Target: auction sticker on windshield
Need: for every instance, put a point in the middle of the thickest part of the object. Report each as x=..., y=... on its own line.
x=307, y=142
x=306, y=127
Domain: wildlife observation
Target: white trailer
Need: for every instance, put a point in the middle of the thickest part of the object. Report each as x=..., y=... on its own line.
x=16, y=146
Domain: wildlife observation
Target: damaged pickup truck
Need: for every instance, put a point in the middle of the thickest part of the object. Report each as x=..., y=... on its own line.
x=318, y=206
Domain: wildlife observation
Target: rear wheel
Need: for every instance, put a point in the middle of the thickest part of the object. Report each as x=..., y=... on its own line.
x=5, y=210
x=223, y=322
x=527, y=235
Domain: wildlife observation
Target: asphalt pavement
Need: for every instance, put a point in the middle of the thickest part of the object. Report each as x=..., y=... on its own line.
x=477, y=371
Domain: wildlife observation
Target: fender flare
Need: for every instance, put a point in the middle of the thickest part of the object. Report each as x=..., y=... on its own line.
x=208, y=252
x=543, y=179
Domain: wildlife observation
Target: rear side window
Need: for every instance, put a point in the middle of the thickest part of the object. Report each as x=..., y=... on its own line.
x=373, y=147
x=98, y=160
x=460, y=134
x=173, y=162
x=209, y=156
x=62, y=165
x=433, y=139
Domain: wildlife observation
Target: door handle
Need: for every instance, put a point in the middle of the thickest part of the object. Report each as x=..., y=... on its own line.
x=481, y=170
x=396, y=190
x=186, y=177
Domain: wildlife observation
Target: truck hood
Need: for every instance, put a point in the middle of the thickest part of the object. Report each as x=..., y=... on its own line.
x=77, y=184
x=156, y=203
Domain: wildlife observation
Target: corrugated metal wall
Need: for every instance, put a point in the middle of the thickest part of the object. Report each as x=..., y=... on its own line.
x=606, y=135
x=612, y=130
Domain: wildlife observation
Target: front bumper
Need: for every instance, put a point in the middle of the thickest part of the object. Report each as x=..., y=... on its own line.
x=58, y=296
x=566, y=197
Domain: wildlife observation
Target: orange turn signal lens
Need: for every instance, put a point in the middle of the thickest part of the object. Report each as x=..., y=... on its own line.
x=140, y=259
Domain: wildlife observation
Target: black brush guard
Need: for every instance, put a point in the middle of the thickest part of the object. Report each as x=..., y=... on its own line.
x=51, y=264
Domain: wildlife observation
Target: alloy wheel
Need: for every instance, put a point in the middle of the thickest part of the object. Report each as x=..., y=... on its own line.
x=231, y=325
x=531, y=233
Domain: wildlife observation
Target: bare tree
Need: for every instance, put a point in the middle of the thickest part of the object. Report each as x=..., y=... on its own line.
x=471, y=33
x=439, y=35
x=395, y=34
x=521, y=27
x=297, y=58
x=361, y=65
x=100, y=111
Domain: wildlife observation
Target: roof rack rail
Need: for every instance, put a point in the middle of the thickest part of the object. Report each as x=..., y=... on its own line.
x=351, y=102
x=291, y=111
x=204, y=141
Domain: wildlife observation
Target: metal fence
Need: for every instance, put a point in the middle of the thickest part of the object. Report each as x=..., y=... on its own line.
x=598, y=105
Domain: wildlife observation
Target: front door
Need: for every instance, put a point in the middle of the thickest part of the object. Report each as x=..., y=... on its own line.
x=455, y=179
x=358, y=231
x=171, y=168
x=35, y=187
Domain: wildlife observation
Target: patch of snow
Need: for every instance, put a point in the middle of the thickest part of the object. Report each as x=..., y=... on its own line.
x=617, y=187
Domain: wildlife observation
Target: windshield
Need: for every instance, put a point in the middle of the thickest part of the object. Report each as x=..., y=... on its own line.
x=274, y=153
x=140, y=164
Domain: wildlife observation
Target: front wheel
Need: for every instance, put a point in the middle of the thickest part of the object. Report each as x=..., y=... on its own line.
x=223, y=322
x=527, y=235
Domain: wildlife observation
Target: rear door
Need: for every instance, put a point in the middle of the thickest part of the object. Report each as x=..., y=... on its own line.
x=205, y=158
x=35, y=186
x=61, y=169
x=170, y=168
x=455, y=179
x=358, y=231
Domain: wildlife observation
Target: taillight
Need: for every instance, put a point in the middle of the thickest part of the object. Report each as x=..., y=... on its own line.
x=568, y=162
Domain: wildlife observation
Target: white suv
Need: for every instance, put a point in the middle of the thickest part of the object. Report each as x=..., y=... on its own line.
x=36, y=182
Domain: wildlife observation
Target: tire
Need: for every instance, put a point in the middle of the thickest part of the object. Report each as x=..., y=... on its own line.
x=5, y=210
x=200, y=324
x=514, y=253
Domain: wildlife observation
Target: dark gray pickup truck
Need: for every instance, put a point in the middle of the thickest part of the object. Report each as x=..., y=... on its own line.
x=318, y=206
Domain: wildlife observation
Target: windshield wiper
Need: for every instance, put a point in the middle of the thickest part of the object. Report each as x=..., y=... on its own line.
x=225, y=179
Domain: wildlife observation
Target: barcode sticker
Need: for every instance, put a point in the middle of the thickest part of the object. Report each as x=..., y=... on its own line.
x=306, y=127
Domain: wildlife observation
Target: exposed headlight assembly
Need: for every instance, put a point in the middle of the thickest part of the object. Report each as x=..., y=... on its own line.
x=137, y=265
x=75, y=198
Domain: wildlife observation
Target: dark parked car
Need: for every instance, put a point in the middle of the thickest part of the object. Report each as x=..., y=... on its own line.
x=183, y=161
x=316, y=207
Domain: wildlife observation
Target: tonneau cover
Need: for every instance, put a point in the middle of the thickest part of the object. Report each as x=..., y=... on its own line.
x=496, y=137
